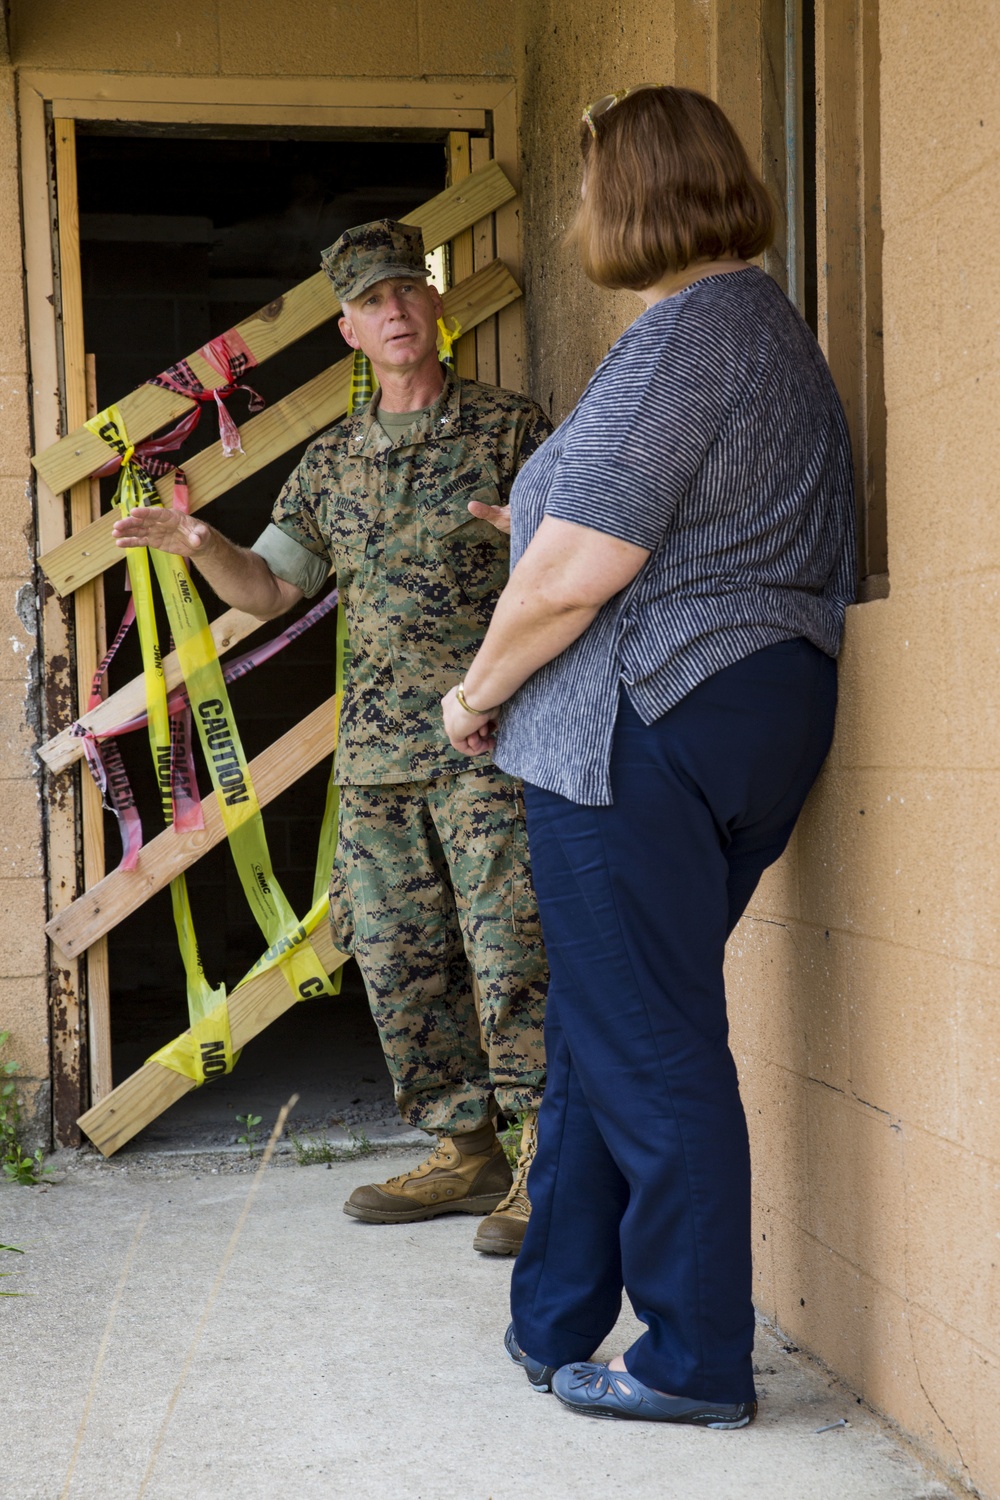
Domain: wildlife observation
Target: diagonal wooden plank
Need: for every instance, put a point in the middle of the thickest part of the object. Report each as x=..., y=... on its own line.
x=142, y=1097
x=65, y=748
x=123, y=891
x=272, y=328
x=298, y=416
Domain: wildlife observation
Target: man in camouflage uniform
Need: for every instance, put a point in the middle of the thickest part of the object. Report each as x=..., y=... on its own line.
x=431, y=883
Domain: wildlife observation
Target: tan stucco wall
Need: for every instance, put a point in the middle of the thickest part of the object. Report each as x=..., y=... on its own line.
x=864, y=983
x=868, y=1017
x=250, y=38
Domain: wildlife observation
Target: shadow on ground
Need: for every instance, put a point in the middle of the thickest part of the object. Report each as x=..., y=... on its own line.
x=311, y=1357
x=326, y=1051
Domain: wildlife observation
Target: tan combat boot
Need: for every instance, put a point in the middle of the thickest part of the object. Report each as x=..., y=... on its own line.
x=503, y=1232
x=464, y=1174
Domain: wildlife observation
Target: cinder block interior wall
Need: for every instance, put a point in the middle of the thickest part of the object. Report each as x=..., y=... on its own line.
x=864, y=980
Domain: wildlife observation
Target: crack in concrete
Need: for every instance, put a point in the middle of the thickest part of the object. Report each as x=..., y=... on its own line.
x=966, y=1472
x=958, y=1447
x=877, y=1109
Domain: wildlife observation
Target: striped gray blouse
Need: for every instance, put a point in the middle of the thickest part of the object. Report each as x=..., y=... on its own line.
x=712, y=435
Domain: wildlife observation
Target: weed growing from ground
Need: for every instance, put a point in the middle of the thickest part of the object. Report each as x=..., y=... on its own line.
x=18, y=1165
x=9, y=1111
x=29, y=1171
x=251, y=1131
x=14, y=1251
x=510, y=1140
x=313, y=1153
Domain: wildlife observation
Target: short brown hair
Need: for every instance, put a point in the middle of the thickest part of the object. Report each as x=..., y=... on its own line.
x=668, y=182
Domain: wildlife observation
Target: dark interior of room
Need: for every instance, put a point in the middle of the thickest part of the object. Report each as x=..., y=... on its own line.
x=182, y=236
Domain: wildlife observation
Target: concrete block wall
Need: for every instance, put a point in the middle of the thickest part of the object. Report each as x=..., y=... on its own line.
x=316, y=38
x=23, y=992
x=866, y=980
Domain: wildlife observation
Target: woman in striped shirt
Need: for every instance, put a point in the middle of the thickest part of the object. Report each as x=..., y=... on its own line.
x=660, y=672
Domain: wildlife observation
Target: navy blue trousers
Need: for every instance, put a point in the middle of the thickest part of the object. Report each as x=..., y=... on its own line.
x=641, y=1181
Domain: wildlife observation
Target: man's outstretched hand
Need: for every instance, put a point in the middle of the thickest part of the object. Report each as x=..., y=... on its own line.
x=497, y=515
x=166, y=530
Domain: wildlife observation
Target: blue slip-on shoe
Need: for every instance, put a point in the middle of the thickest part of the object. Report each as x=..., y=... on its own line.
x=539, y=1376
x=597, y=1391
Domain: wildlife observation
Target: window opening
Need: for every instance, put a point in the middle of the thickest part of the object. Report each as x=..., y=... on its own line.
x=834, y=235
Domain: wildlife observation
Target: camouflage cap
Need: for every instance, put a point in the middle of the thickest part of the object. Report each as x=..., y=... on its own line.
x=373, y=252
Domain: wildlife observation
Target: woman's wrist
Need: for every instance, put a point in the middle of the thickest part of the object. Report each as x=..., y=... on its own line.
x=475, y=713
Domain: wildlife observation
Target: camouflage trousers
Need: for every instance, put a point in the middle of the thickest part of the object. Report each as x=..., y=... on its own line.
x=431, y=886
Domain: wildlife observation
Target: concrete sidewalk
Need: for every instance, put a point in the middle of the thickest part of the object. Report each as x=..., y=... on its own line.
x=339, y=1360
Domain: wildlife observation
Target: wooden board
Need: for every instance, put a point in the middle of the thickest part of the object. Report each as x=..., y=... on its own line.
x=483, y=251
x=513, y=373
x=122, y=892
x=87, y=612
x=462, y=265
x=65, y=748
x=66, y=978
x=294, y=419
x=91, y=644
x=849, y=256
x=139, y=89
x=269, y=330
x=373, y=120
x=149, y=1091
x=876, y=539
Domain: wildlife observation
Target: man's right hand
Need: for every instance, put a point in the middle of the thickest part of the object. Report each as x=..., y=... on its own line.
x=497, y=515
x=238, y=575
x=166, y=530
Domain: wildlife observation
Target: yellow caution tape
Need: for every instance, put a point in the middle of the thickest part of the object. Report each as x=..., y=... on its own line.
x=136, y=488
x=446, y=339
x=207, y=1048
x=362, y=381
x=230, y=772
x=204, y=1052
x=327, y=839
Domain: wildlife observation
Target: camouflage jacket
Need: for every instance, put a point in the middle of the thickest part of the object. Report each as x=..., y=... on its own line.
x=418, y=575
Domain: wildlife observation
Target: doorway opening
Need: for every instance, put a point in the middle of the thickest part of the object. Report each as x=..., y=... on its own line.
x=183, y=235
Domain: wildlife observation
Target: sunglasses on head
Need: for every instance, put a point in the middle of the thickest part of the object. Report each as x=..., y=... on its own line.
x=601, y=106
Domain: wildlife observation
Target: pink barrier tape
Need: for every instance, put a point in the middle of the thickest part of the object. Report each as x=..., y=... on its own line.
x=185, y=797
x=241, y=665
x=231, y=358
x=181, y=499
x=108, y=770
x=148, y=452
x=105, y=762
x=104, y=758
